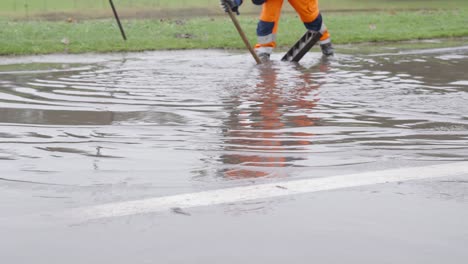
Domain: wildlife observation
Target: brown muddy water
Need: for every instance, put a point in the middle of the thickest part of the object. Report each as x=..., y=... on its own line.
x=81, y=130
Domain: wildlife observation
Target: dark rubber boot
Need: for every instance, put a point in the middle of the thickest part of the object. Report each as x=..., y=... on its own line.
x=264, y=57
x=327, y=49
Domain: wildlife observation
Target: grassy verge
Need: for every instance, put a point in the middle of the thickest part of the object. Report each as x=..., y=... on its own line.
x=24, y=37
x=96, y=8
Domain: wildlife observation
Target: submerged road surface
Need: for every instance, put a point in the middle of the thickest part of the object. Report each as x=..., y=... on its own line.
x=203, y=157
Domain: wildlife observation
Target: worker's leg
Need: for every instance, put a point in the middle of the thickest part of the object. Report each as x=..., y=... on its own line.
x=267, y=27
x=309, y=12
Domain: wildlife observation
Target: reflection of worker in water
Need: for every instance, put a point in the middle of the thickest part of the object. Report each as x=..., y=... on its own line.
x=268, y=25
x=256, y=144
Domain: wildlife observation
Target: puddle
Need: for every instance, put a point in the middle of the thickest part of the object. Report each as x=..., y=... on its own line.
x=184, y=120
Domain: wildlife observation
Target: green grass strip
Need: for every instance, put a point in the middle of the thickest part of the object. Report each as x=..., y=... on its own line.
x=29, y=7
x=23, y=37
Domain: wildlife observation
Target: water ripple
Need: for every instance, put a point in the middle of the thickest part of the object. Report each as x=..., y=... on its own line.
x=186, y=117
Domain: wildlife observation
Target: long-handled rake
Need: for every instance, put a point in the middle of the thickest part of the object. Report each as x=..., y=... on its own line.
x=242, y=34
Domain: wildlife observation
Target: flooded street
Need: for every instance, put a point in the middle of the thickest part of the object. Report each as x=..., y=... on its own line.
x=85, y=130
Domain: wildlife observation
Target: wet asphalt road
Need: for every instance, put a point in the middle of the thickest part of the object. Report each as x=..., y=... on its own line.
x=78, y=131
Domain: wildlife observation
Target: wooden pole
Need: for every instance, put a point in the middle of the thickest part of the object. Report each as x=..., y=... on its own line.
x=242, y=34
x=118, y=20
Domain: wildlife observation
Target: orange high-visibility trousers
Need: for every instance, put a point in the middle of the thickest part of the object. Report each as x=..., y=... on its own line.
x=268, y=25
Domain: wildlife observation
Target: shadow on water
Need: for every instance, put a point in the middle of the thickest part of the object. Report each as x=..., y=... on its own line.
x=202, y=119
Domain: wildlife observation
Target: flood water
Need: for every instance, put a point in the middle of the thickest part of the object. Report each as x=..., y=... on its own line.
x=80, y=131
x=116, y=127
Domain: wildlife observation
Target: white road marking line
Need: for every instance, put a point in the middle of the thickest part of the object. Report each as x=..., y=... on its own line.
x=265, y=191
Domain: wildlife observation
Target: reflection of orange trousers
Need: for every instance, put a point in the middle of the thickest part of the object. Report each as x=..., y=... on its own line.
x=268, y=25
